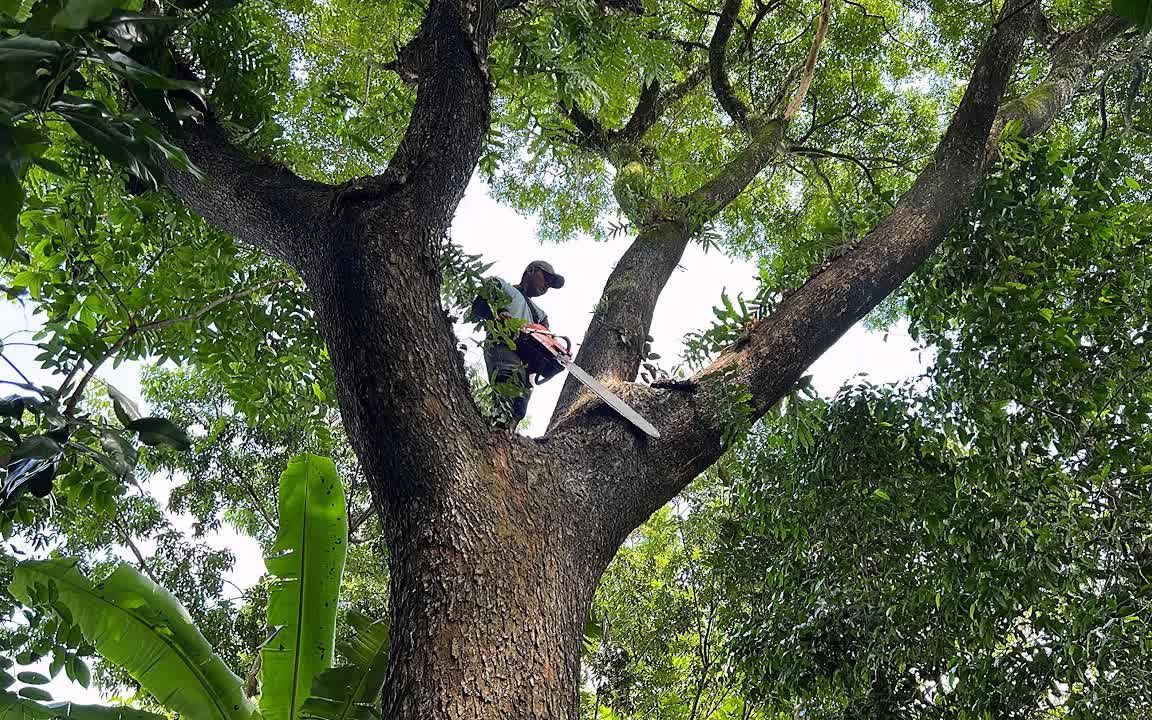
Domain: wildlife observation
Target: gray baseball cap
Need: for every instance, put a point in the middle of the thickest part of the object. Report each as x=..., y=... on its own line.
x=554, y=280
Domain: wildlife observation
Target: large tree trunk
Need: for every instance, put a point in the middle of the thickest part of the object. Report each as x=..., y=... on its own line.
x=490, y=577
x=490, y=590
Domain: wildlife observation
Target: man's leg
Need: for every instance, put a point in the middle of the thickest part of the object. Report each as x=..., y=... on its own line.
x=510, y=383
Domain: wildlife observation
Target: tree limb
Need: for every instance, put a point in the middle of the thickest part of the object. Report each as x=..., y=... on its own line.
x=593, y=136
x=776, y=350
x=262, y=204
x=613, y=345
x=808, y=70
x=646, y=112
x=736, y=108
x=448, y=59
x=399, y=378
x=1072, y=62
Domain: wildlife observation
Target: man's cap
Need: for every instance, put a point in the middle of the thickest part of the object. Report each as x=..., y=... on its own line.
x=554, y=280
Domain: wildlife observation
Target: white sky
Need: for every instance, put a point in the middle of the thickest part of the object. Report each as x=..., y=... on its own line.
x=509, y=240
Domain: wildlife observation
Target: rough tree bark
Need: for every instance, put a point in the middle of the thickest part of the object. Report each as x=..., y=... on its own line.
x=497, y=541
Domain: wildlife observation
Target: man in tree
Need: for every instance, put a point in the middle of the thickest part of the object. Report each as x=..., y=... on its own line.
x=514, y=302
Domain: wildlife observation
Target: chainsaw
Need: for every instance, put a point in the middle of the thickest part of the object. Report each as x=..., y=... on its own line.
x=547, y=355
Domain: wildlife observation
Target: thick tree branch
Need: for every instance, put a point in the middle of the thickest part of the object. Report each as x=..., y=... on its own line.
x=264, y=205
x=593, y=136
x=652, y=105
x=736, y=108
x=775, y=351
x=399, y=378
x=448, y=59
x=645, y=115
x=612, y=348
x=1072, y=61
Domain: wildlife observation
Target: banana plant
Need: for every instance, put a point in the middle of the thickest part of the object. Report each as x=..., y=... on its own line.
x=307, y=562
x=351, y=692
x=142, y=628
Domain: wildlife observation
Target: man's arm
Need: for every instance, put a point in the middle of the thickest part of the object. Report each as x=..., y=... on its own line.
x=482, y=308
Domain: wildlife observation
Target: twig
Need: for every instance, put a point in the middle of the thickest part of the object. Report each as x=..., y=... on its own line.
x=134, y=330
x=18, y=371
x=136, y=551
x=818, y=152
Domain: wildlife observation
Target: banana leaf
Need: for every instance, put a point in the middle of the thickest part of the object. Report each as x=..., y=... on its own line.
x=14, y=707
x=306, y=562
x=143, y=629
x=352, y=692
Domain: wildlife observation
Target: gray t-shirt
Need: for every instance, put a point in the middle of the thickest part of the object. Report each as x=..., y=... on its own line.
x=520, y=306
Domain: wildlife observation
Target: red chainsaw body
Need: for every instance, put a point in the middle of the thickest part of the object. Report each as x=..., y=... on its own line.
x=543, y=351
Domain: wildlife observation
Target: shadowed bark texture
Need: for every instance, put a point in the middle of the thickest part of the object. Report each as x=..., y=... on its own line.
x=497, y=541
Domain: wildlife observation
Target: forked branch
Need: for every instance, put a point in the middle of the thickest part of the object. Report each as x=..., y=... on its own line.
x=776, y=351
x=736, y=108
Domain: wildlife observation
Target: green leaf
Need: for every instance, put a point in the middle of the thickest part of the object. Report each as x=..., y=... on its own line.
x=27, y=50
x=52, y=166
x=58, y=660
x=32, y=678
x=33, y=475
x=78, y=671
x=143, y=629
x=127, y=67
x=351, y=692
x=14, y=707
x=121, y=455
x=129, y=30
x=11, y=201
x=34, y=693
x=160, y=431
x=113, y=136
x=126, y=410
x=13, y=406
x=79, y=14
x=1138, y=11
x=37, y=446
x=306, y=562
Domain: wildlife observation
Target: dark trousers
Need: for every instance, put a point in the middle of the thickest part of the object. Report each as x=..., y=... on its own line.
x=506, y=368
